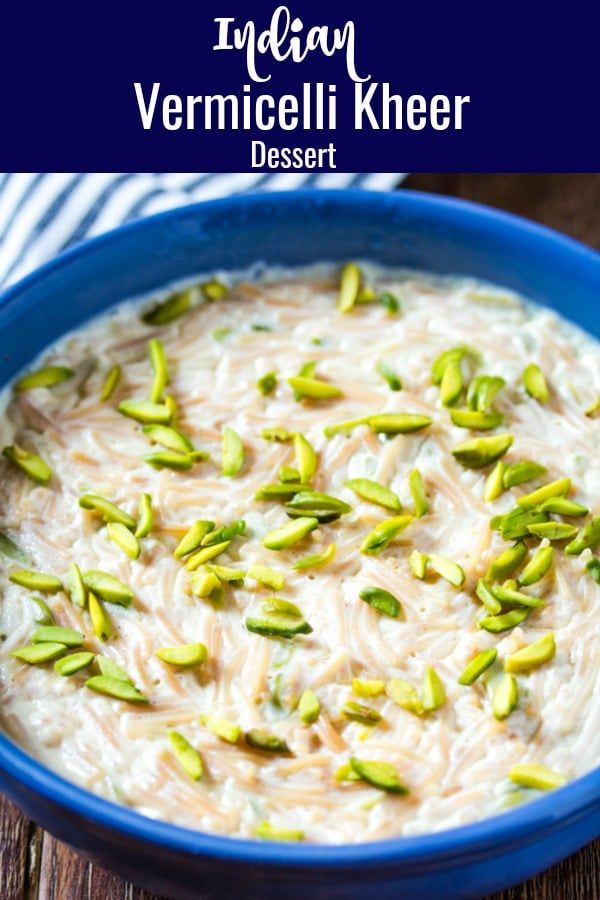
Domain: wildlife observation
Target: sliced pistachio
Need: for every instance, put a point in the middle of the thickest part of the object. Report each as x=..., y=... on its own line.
x=475, y=420
x=358, y=712
x=537, y=567
x=405, y=695
x=280, y=491
x=158, y=361
x=323, y=507
x=44, y=378
x=204, y=584
x=505, y=564
x=504, y=621
x=110, y=383
x=30, y=463
x=233, y=452
x=309, y=707
x=553, y=531
x=227, y=731
x=491, y=603
x=345, y=772
x=533, y=775
x=350, y=280
x=593, y=567
x=279, y=435
x=170, y=459
x=534, y=383
x=290, y=533
x=227, y=574
x=185, y=655
x=169, y=310
x=587, y=539
x=381, y=601
x=558, y=488
x=73, y=663
x=313, y=388
x=505, y=696
x=316, y=560
x=398, y=423
x=478, y=666
x=289, y=475
x=267, y=383
x=381, y=775
x=214, y=290
x=278, y=627
x=452, y=384
x=384, y=533
x=494, y=483
x=506, y=594
x=38, y=654
x=345, y=427
x=593, y=408
x=563, y=507
x=453, y=355
x=390, y=302
x=112, y=669
x=269, y=577
x=433, y=693
x=110, y=512
x=116, y=688
x=375, y=493
x=123, y=538
x=108, y=588
x=368, y=688
x=168, y=437
x=366, y=295
x=187, y=756
x=280, y=605
x=171, y=404
x=145, y=411
x=205, y=554
x=515, y=524
x=101, y=623
x=483, y=391
x=419, y=496
x=192, y=539
x=418, y=564
x=224, y=533
x=482, y=451
x=267, y=832
x=306, y=458
x=45, y=615
x=449, y=570
x=145, y=517
x=49, y=634
x=36, y=581
x=11, y=549
x=519, y=472
x=387, y=373
x=268, y=743
x=532, y=656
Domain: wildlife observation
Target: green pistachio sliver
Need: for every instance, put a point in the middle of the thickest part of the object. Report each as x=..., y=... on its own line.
x=112, y=669
x=494, y=483
x=390, y=302
x=506, y=594
x=204, y=584
x=110, y=383
x=593, y=567
x=449, y=570
x=418, y=564
x=11, y=549
x=108, y=588
x=350, y=280
x=278, y=626
x=168, y=437
x=116, y=688
x=164, y=313
x=265, y=741
x=452, y=383
x=443, y=360
x=374, y=493
x=124, y=538
x=532, y=656
x=593, y=408
x=73, y=663
x=553, y=531
x=384, y=533
x=537, y=567
x=405, y=695
x=227, y=574
x=534, y=383
x=187, y=756
x=504, y=621
x=50, y=634
x=483, y=391
x=482, y=451
x=387, y=373
x=45, y=615
x=519, y=472
x=381, y=601
x=290, y=533
x=267, y=383
x=266, y=576
x=205, y=554
x=313, y=388
x=171, y=403
x=358, y=712
x=345, y=772
x=306, y=458
x=221, y=728
x=38, y=654
x=398, y=423
x=433, y=693
x=101, y=623
x=158, y=361
x=505, y=696
x=515, y=524
x=232, y=452
x=345, y=427
x=278, y=435
x=224, y=533
x=185, y=655
x=475, y=420
x=309, y=707
x=214, y=290
x=267, y=832
x=563, y=507
x=381, y=775
x=419, y=496
x=478, y=666
x=36, y=581
x=558, y=488
x=367, y=688
x=110, y=512
x=145, y=517
x=505, y=564
x=280, y=491
x=533, y=775
x=280, y=605
x=316, y=560
x=587, y=539
x=192, y=539
x=30, y=463
x=491, y=603
x=289, y=475
x=323, y=507
x=145, y=411
x=170, y=459
x=44, y=378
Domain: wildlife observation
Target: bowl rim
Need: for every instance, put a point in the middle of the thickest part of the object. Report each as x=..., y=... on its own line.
x=494, y=834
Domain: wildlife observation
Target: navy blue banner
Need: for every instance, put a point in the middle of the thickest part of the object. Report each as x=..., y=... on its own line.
x=299, y=86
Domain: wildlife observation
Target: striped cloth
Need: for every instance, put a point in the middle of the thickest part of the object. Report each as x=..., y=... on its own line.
x=42, y=214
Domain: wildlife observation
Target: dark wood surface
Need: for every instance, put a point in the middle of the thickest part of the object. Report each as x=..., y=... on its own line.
x=33, y=866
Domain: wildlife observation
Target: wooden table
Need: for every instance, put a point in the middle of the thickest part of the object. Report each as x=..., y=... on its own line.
x=33, y=866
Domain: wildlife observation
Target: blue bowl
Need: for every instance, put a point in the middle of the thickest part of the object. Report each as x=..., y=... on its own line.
x=424, y=232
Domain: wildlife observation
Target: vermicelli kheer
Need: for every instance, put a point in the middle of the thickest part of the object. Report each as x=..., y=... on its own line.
x=285, y=556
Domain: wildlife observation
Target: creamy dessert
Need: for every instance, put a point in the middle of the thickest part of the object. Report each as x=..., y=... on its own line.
x=306, y=555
